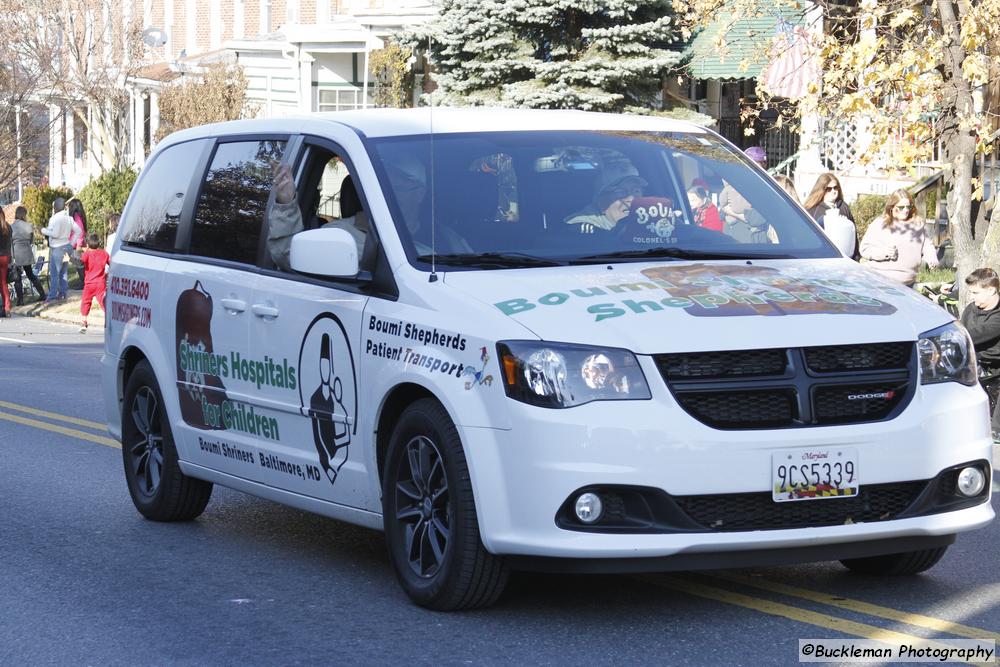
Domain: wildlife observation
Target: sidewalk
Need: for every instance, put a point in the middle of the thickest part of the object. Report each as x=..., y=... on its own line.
x=67, y=312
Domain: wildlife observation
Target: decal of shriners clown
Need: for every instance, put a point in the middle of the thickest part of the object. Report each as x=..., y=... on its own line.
x=331, y=438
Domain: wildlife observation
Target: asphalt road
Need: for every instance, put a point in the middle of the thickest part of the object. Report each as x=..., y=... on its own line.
x=85, y=580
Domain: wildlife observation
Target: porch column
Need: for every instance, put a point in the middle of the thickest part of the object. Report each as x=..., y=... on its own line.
x=17, y=139
x=135, y=126
x=73, y=176
x=305, y=76
x=810, y=163
x=713, y=94
x=55, y=147
x=154, y=117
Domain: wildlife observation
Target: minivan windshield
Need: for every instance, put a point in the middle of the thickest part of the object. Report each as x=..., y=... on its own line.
x=545, y=198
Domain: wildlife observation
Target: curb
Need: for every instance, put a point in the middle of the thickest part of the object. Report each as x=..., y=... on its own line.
x=66, y=312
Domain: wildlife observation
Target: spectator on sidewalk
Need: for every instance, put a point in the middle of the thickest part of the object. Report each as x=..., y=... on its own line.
x=113, y=220
x=24, y=254
x=826, y=205
x=758, y=155
x=95, y=263
x=788, y=185
x=896, y=242
x=982, y=319
x=58, y=230
x=78, y=235
x=6, y=238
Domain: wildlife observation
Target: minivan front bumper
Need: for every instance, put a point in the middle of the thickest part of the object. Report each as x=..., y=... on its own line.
x=523, y=476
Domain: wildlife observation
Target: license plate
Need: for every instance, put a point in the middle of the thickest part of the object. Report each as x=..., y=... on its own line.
x=814, y=474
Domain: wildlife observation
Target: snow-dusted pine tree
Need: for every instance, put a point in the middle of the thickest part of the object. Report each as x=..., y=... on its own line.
x=596, y=55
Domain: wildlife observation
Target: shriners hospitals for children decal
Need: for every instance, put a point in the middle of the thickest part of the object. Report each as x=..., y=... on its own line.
x=328, y=391
x=199, y=383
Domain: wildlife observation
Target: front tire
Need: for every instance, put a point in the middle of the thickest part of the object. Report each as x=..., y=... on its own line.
x=159, y=490
x=911, y=562
x=431, y=528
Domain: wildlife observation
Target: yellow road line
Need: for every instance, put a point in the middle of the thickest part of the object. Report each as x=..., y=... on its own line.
x=72, y=432
x=790, y=612
x=917, y=620
x=53, y=415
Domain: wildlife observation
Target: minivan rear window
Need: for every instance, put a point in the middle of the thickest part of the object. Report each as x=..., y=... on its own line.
x=155, y=209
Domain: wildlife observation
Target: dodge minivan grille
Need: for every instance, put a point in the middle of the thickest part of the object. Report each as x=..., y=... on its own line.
x=757, y=511
x=792, y=387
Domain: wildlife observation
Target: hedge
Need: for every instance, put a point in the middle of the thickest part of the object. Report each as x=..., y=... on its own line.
x=106, y=194
x=39, y=200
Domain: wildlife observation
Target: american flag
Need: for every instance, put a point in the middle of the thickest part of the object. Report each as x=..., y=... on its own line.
x=792, y=68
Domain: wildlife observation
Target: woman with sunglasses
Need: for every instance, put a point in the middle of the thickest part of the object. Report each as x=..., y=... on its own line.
x=827, y=199
x=896, y=243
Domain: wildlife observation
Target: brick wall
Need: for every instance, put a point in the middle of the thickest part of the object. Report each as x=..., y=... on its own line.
x=251, y=14
x=228, y=14
x=307, y=11
x=178, y=40
x=203, y=31
x=279, y=9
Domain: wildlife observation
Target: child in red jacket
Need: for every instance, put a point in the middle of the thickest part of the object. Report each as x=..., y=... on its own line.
x=95, y=264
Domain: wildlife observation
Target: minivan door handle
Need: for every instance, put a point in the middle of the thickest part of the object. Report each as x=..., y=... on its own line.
x=233, y=305
x=262, y=310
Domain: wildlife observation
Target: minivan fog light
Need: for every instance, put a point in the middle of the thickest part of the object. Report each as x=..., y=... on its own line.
x=589, y=507
x=970, y=483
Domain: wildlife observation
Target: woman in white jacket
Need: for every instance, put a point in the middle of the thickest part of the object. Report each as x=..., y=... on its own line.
x=896, y=243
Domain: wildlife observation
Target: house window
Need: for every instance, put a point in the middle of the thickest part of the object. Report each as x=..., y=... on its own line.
x=339, y=99
x=79, y=138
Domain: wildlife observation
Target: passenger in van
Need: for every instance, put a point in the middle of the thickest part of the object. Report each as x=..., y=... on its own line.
x=285, y=220
x=706, y=214
x=618, y=184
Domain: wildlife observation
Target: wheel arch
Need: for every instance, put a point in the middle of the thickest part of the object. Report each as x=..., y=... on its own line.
x=396, y=400
x=131, y=357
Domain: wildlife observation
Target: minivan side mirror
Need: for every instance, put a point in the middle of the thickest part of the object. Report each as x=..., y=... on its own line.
x=324, y=252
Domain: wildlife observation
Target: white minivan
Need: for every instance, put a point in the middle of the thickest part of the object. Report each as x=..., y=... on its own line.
x=530, y=340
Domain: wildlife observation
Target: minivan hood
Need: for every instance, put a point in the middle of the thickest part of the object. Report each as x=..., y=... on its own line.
x=685, y=306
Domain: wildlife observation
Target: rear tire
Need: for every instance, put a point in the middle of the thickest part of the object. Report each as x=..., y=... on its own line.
x=911, y=562
x=431, y=528
x=159, y=490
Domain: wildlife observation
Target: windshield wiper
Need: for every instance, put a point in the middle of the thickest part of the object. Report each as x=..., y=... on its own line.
x=503, y=260
x=675, y=253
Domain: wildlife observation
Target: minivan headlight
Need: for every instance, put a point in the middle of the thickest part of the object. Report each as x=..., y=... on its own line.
x=947, y=355
x=562, y=375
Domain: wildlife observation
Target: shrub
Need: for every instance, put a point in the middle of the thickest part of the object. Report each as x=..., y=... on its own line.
x=865, y=209
x=39, y=200
x=106, y=194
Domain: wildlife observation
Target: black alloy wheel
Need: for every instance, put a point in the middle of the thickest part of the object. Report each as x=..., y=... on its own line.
x=146, y=454
x=423, y=506
x=429, y=515
x=159, y=490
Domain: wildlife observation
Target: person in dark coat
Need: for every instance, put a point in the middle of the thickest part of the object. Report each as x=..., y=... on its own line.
x=24, y=254
x=982, y=319
x=827, y=197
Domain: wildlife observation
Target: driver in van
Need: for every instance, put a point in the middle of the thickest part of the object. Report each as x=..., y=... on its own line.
x=618, y=184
